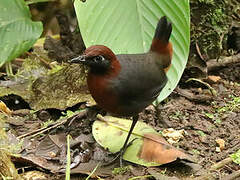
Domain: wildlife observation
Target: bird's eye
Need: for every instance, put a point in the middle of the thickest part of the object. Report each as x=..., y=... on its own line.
x=99, y=58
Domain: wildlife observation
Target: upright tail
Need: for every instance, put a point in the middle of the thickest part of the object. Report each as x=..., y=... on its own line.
x=160, y=42
x=163, y=30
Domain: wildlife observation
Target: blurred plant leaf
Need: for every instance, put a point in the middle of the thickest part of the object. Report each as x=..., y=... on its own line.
x=128, y=27
x=236, y=157
x=17, y=31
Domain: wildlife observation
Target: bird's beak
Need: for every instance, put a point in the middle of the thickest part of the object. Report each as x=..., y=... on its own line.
x=79, y=59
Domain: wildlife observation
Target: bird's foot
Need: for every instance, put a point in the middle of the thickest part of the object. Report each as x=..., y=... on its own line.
x=119, y=155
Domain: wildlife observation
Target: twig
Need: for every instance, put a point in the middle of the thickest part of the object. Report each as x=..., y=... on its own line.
x=41, y=59
x=220, y=164
x=198, y=51
x=216, y=166
x=19, y=60
x=213, y=91
x=52, y=126
x=93, y=171
x=201, y=98
x=214, y=64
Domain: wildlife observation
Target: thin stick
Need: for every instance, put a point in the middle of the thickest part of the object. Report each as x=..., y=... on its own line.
x=41, y=59
x=220, y=164
x=214, y=64
x=52, y=126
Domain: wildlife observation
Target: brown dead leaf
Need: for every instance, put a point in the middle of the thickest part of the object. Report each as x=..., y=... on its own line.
x=34, y=175
x=47, y=147
x=156, y=149
x=172, y=135
x=221, y=144
x=50, y=154
x=213, y=79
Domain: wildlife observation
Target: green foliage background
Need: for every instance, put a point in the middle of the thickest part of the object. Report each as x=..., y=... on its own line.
x=17, y=31
x=128, y=27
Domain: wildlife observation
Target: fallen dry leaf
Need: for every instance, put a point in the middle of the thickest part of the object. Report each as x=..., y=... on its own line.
x=34, y=175
x=172, y=135
x=221, y=145
x=214, y=79
x=156, y=149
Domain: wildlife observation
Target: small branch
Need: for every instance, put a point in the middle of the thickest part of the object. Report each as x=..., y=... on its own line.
x=214, y=64
x=216, y=166
x=201, y=98
x=19, y=60
x=220, y=164
x=45, y=63
x=52, y=126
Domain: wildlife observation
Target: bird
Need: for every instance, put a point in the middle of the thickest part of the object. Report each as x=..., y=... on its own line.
x=125, y=84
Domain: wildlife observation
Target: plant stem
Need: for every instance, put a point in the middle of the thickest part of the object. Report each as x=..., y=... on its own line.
x=9, y=71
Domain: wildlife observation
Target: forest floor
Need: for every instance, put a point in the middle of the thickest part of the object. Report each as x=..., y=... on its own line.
x=208, y=114
x=48, y=101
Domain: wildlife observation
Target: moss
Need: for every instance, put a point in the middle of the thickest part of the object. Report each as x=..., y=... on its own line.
x=60, y=87
x=121, y=170
x=209, y=24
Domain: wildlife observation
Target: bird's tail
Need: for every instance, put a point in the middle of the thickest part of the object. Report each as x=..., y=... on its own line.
x=163, y=30
x=160, y=42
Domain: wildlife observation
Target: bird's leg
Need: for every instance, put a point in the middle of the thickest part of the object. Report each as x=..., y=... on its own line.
x=126, y=144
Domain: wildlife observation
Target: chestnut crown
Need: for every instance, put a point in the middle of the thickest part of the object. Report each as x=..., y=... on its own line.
x=98, y=57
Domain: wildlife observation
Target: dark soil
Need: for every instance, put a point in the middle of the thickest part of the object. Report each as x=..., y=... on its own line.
x=203, y=131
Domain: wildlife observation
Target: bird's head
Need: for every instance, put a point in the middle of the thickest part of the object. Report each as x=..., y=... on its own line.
x=100, y=59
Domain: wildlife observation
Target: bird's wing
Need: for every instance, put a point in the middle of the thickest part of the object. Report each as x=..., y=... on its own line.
x=140, y=78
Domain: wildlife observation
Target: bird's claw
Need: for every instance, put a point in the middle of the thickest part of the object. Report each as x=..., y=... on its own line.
x=119, y=155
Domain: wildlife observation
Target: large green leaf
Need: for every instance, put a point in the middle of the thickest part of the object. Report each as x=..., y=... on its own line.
x=17, y=31
x=111, y=133
x=127, y=26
